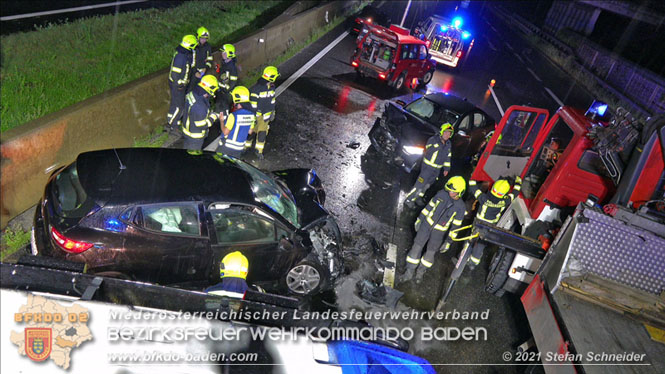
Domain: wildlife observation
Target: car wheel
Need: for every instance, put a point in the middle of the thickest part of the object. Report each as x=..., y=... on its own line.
x=427, y=77
x=498, y=273
x=305, y=278
x=399, y=83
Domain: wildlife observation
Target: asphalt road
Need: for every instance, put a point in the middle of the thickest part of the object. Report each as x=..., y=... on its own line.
x=322, y=122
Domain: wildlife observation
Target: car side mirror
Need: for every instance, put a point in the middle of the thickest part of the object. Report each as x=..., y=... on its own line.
x=462, y=133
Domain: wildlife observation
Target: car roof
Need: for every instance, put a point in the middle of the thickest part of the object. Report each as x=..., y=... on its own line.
x=154, y=175
x=453, y=102
x=385, y=32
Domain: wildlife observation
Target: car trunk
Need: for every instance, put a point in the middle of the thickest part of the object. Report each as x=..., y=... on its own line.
x=377, y=54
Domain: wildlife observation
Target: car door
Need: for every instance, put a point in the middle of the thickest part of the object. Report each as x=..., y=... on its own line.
x=422, y=60
x=265, y=242
x=167, y=244
x=469, y=134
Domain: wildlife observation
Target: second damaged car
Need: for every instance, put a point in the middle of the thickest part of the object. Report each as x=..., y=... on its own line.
x=166, y=216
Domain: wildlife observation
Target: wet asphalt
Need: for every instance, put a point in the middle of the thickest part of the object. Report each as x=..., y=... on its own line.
x=322, y=122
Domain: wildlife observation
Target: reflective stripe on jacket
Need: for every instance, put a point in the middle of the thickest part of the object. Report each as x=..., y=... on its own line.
x=437, y=155
x=442, y=212
x=180, y=66
x=491, y=207
x=199, y=116
x=262, y=97
x=239, y=122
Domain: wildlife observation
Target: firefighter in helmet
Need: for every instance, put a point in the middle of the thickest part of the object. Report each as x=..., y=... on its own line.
x=436, y=157
x=233, y=271
x=263, y=102
x=179, y=79
x=228, y=79
x=202, y=57
x=199, y=115
x=238, y=125
x=444, y=213
x=491, y=206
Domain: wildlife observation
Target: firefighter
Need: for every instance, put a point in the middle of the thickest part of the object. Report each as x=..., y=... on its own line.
x=263, y=102
x=228, y=79
x=233, y=272
x=436, y=157
x=491, y=206
x=444, y=212
x=238, y=125
x=178, y=80
x=202, y=57
x=199, y=115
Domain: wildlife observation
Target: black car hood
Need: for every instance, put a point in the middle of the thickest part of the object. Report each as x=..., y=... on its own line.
x=305, y=195
x=410, y=129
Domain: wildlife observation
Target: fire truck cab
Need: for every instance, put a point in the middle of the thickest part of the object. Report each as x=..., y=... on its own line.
x=393, y=55
x=559, y=166
x=448, y=42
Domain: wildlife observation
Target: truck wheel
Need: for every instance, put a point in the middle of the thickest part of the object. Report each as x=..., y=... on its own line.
x=427, y=77
x=399, y=83
x=498, y=273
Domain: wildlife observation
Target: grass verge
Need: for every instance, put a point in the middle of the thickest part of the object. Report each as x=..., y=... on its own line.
x=58, y=65
x=155, y=139
x=13, y=239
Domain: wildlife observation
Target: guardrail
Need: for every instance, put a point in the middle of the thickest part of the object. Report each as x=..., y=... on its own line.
x=114, y=118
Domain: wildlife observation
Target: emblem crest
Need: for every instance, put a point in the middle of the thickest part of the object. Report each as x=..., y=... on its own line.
x=38, y=343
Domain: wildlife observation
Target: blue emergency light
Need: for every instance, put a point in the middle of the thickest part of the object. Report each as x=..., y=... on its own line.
x=597, y=109
x=113, y=224
x=465, y=35
x=457, y=22
x=444, y=28
x=356, y=357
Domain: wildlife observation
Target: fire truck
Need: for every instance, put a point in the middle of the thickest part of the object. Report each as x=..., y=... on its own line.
x=449, y=44
x=393, y=55
x=584, y=243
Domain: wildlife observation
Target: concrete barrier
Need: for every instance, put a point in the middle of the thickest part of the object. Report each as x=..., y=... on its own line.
x=114, y=118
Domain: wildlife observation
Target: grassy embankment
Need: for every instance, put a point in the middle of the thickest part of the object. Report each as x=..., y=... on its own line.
x=56, y=66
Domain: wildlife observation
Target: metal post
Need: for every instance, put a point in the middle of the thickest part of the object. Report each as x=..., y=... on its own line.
x=406, y=11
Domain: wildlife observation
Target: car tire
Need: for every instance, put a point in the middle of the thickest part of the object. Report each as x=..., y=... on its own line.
x=399, y=82
x=307, y=277
x=427, y=78
x=498, y=272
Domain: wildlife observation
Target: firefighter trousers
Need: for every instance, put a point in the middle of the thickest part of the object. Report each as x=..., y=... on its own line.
x=177, y=107
x=428, y=175
x=262, y=127
x=477, y=249
x=426, y=235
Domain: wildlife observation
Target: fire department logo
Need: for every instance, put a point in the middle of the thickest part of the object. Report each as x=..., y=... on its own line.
x=37, y=343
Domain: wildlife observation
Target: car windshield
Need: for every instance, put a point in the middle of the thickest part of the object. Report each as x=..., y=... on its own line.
x=269, y=192
x=432, y=112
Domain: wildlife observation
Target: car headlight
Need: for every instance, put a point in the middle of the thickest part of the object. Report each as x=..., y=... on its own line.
x=413, y=150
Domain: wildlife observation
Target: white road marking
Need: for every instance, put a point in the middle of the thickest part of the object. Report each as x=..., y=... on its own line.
x=509, y=46
x=389, y=273
x=68, y=10
x=518, y=57
x=213, y=146
x=491, y=45
x=495, y=30
x=496, y=101
x=534, y=74
x=554, y=96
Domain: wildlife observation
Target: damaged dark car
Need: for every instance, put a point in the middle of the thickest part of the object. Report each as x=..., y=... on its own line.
x=408, y=121
x=169, y=217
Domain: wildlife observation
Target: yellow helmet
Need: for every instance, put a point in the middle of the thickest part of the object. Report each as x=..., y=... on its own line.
x=447, y=127
x=270, y=73
x=189, y=42
x=456, y=184
x=202, y=32
x=500, y=188
x=230, y=50
x=240, y=95
x=209, y=83
x=235, y=264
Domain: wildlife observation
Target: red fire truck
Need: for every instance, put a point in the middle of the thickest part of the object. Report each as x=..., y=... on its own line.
x=391, y=54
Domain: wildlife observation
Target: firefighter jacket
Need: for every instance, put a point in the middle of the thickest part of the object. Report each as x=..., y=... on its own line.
x=491, y=207
x=228, y=75
x=262, y=97
x=443, y=213
x=202, y=56
x=199, y=116
x=230, y=287
x=180, y=67
x=239, y=123
x=437, y=154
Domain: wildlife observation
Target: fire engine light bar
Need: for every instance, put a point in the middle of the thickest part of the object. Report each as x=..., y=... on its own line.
x=466, y=35
x=457, y=22
x=597, y=108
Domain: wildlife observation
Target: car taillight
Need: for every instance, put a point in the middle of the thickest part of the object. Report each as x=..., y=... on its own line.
x=459, y=54
x=69, y=245
x=382, y=76
x=354, y=64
